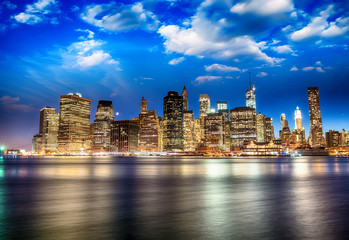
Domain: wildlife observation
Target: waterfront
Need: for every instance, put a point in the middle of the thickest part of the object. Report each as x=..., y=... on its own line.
x=174, y=198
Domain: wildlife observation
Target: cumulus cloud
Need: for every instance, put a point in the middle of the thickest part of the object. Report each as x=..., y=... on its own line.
x=11, y=103
x=87, y=53
x=262, y=74
x=222, y=35
x=319, y=69
x=318, y=63
x=221, y=68
x=320, y=26
x=38, y=12
x=265, y=7
x=176, y=61
x=204, y=79
x=306, y=69
x=116, y=17
x=284, y=49
x=293, y=69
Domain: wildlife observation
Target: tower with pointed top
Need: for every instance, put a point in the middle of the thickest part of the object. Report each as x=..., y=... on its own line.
x=298, y=132
x=298, y=119
x=144, y=108
x=250, y=95
x=185, y=99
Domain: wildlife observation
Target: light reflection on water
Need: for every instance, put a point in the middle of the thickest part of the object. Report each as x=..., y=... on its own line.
x=174, y=198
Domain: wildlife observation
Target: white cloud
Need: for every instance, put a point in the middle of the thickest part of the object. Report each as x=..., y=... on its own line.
x=11, y=103
x=221, y=68
x=204, y=79
x=319, y=69
x=38, y=12
x=263, y=7
x=284, y=49
x=116, y=18
x=262, y=74
x=176, y=61
x=320, y=27
x=306, y=69
x=318, y=63
x=90, y=33
x=293, y=69
x=96, y=58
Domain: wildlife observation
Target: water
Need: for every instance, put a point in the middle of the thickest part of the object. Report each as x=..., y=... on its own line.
x=174, y=198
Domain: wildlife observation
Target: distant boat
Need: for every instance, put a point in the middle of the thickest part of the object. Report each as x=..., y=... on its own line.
x=295, y=154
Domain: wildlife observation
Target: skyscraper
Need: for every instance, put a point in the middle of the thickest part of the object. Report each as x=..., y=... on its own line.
x=149, y=132
x=214, y=131
x=261, y=127
x=298, y=131
x=316, y=133
x=251, y=95
x=74, y=123
x=173, y=122
x=204, y=105
x=49, y=121
x=242, y=125
x=332, y=138
x=185, y=99
x=144, y=108
x=269, y=129
x=102, y=126
x=188, y=131
x=124, y=136
x=298, y=119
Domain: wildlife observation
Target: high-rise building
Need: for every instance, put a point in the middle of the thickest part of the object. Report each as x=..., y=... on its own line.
x=214, y=132
x=197, y=131
x=332, y=138
x=49, y=122
x=222, y=108
x=251, y=98
x=269, y=129
x=144, y=108
x=185, y=99
x=242, y=126
x=285, y=130
x=149, y=132
x=102, y=126
x=188, y=131
x=316, y=133
x=283, y=121
x=344, y=138
x=74, y=123
x=36, y=143
x=204, y=105
x=173, y=122
x=124, y=136
x=299, y=131
x=261, y=128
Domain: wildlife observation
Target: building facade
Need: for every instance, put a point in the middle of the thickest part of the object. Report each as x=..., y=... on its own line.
x=332, y=138
x=124, y=136
x=261, y=127
x=242, y=126
x=316, y=132
x=149, y=132
x=185, y=99
x=74, y=123
x=188, y=131
x=102, y=126
x=269, y=129
x=214, y=132
x=49, y=122
x=204, y=105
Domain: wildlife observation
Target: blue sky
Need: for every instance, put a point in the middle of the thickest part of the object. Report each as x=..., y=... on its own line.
x=124, y=50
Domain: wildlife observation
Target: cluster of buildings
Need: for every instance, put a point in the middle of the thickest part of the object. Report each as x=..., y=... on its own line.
x=240, y=130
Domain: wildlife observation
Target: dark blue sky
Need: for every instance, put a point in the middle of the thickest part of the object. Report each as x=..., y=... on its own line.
x=124, y=50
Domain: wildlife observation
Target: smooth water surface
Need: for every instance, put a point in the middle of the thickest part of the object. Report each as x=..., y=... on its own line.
x=174, y=198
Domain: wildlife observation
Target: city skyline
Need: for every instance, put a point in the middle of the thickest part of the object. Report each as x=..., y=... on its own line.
x=50, y=48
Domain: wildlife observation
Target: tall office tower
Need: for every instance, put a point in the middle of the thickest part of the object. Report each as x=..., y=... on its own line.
x=332, y=138
x=49, y=121
x=161, y=133
x=227, y=140
x=144, y=108
x=283, y=121
x=222, y=107
x=149, y=132
x=74, y=123
x=124, y=136
x=261, y=127
x=36, y=143
x=102, y=126
x=269, y=129
x=298, y=119
x=188, y=131
x=285, y=130
x=298, y=132
x=185, y=99
x=251, y=95
x=173, y=122
x=214, y=131
x=242, y=126
x=316, y=133
x=344, y=138
x=204, y=105
x=197, y=131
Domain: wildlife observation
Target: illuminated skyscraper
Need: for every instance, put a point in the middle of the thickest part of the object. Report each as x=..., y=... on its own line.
x=299, y=131
x=185, y=99
x=149, y=132
x=283, y=121
x=316, y=133
x=332, y=138
x=251, y=95
x=173, y=122
x=298, y=119
x=144, y=108
x=344, y=138
x=204, y=105
x=124, y=136
x=242, y=126
x=74, y=123
x=49, y=121
x=269, y=129
x=188, y=131
x=261, y=128
x=214, y=131
x=222, y=108
x=102, y=126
